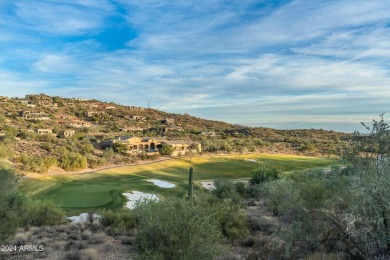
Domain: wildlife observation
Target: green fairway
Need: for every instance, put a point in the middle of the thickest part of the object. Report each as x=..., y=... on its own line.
x=102, y=189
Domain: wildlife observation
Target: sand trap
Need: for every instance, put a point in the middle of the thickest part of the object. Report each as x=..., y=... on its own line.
x=251, y=160
x=138, y=196
x=83, y=218
x=162, y=184
x=209, y=185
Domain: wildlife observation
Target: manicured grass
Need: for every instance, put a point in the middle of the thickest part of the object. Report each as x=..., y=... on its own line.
x=102, y=189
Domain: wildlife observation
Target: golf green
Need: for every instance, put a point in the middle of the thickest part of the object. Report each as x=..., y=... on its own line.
x=83, y=195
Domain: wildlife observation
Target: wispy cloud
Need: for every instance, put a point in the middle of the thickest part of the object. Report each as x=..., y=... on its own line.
x=272, y=63
x=63, y=18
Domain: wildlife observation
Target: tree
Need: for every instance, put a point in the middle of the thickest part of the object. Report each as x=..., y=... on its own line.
x=166, y=150
x=369, y=158
x=120, y=148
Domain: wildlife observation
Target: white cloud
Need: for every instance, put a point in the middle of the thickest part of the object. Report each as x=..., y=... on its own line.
x=54, y=63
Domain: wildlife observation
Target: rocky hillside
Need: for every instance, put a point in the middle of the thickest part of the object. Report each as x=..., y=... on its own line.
x=40, y=127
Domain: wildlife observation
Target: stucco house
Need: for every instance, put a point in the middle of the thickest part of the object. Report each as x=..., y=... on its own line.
x=137, y=145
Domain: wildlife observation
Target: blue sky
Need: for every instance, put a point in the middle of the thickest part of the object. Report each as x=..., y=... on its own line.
x=281, y=64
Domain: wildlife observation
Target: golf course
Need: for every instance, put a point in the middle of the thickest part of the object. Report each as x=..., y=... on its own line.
x=77, y=193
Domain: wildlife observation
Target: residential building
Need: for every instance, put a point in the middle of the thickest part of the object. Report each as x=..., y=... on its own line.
x=137, y=145
x=68, y=133
x=45, y=131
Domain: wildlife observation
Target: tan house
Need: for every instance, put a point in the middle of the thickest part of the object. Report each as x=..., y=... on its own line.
x=108, y=107
x=181, y=147
x=137, y=145
x=31, y=114
x=91, y=113
x=68, y=133
x=140, y=144
x=133, y=130
x=45, y=131
x=80, y=124
x=137, y=108
x=136, y=118
x=173, y=129
x=209, y=133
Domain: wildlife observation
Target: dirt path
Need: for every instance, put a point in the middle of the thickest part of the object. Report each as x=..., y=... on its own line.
x=98, y=169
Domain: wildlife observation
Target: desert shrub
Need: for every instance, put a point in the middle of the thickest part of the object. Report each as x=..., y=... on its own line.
x=96, y=239
x=11, y=203
x=73, y=255
x=85, y=235
x=225, y=189
x=73, y=161
x=308, y=148
x=228, y=214
x=42, y=213
x=281, y=196
x=37, y=163
x=173, y=229
x=95, y=162
x=5, y=151
x=262, y=174
x=120, y=221
x=240, y=187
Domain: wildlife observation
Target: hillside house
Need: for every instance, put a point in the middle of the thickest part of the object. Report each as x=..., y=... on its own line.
x=140, y=144
x=181, y=147
x=137, y=108
x=91, y=113
x=44, y=131
x=31, y=114
x=107, y=107
x=136, y=118
x=137, y=145
x=133, y=130
x=45, y=103
x=209, y=133
x=68, y=133
x=173, y=129
x=79, y=124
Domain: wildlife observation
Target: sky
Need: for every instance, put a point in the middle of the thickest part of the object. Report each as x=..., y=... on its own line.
x=280, y=64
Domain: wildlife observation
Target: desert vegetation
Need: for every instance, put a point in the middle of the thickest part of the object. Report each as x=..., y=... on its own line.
x=263, y=206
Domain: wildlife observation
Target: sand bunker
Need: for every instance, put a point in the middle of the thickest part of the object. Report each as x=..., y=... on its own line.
x=138, y=196
x=83, y=218
x=162, y=184
x=251, y=160
x=209, y=185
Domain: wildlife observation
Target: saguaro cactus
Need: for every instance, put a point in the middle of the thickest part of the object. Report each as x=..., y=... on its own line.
x=191, y=186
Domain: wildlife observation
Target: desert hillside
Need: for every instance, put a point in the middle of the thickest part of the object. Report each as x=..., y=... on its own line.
x=40, y=133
